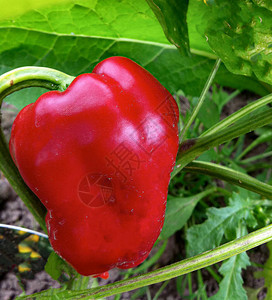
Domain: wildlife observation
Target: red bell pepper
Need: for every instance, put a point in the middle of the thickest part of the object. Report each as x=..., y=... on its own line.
x=99, y=157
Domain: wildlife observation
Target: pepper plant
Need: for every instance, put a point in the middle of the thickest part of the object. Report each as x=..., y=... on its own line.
x=188, y=47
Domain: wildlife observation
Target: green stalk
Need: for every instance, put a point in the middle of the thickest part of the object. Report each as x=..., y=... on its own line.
x=246, y=110
x=214, y=274
x=186, y=266
x=160, y=290
x=200, y=100
x=201, y=287
x=256, y=157
x=231, y=176
x=9, y=83
x=25, y=77
x=191, y=149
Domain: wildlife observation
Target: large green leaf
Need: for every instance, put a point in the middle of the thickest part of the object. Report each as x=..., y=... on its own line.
x=76, y=36
x=18, y=7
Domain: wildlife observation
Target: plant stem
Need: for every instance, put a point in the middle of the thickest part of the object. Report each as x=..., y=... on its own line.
x=163, y=286
x=200, y=100
x=9, y=83
x=201, y=287
x=256, y=157
x=191, y=149
x=25, y=77
x=230, y=175
x=190, y=285
x=238, y=115
x=203, y=53
x=214, y=274
x=186, y=266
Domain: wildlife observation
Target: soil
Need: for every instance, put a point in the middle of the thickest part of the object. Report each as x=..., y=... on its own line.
x=14, y=212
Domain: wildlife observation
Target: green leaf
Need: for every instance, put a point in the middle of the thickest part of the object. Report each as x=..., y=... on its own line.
x=231, y=287
x=178, y=211
x=198, y=19
x=55, y=266
x=172, y=17
x=74, y=37
x=209, y=113
x=240, y=34
x=226, y=78
x=221, y=98
x=209, y=155
x=266, y=273
x=221, y=222
x=19, y=7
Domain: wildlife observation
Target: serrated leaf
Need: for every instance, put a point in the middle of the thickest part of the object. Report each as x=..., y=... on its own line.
x=221, y=222
x=178, y=211
x=172, y=17
x=231, y=287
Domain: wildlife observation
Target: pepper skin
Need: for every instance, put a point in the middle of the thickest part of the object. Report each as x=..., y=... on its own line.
x=99, y=157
